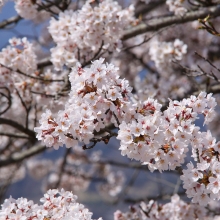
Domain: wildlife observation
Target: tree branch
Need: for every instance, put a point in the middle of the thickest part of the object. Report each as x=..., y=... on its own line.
x=18, y=157
x=156, y=24
x=62, y=168
x=13, y=135
x=146, y=8
x=130, y=165
x=9, y=21
x=19, y=127
x=32, y=77
x=8, y=97
x=43, y=63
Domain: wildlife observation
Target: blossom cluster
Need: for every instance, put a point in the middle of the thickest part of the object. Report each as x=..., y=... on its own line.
x=81, y=34
x=19, y=74
x=31, y=10
x=176, y=6
x=202, y=181
x=57, y=205
x=26, y=8
x=163, y=53
x=98, y=96
x=154, y=137
x=160, y=139
x=17, y=61
x=19, y=55
x=176, y=209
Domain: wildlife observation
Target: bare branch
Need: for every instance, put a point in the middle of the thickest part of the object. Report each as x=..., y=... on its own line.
x=146, y=8
x=19, y=127
x=33, y=77
x=8, y=97
x=12, y=20
x=156, y=24
x=43, y=63
x=14, y=135
x=18, y=157
x=208, y=61
x=44, y=94
x=105, y=139
x=62, y=168
x=215, y=89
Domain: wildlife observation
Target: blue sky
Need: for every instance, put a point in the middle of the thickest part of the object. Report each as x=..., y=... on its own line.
x=23, y=28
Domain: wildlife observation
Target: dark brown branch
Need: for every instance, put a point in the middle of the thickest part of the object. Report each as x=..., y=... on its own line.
x=208, y=61
x=19, y=127
x=156, y=24
x=62, y=168
x=18, y=157
x=105, y=139
x=44, y=94
x=43, y=63
x=12, y=20
x=118, y=123
x=94, y=57
x=14, y=135
x=146, y=8
x=33, y=77
x=8, y=97
x=27, y=108
x=215, y=89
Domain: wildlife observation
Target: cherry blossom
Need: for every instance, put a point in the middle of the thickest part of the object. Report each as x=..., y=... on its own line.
x=92, y=33
x=56, y=205
x=139, y=77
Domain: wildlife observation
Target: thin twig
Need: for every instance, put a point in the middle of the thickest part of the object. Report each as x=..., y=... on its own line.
x=105, y=139
x=62, y=168
x=118, y=123
x=208, y=61
x=33, y=77
x=129, y=184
